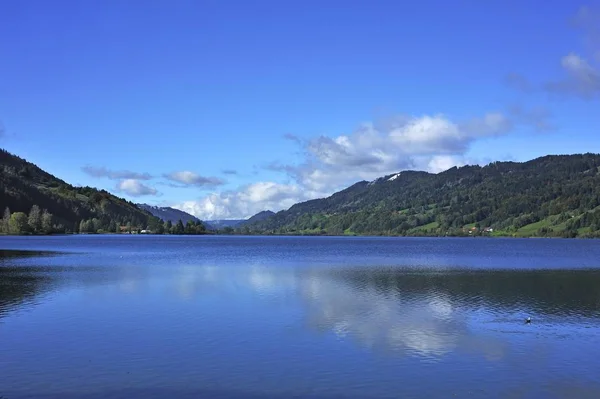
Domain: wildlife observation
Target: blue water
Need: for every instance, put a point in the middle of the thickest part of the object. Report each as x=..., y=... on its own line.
x=166, y=316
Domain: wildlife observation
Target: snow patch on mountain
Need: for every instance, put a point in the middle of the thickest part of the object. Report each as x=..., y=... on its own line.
x=394, y=177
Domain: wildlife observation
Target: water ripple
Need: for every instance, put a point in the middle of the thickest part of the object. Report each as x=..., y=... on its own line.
x=195, y=319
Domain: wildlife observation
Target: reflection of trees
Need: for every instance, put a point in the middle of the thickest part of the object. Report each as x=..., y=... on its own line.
x=552, y=292
x=20, y=284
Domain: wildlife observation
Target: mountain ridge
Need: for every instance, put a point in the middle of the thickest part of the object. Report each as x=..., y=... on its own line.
x=550, y=196
x=553, y=195
x=219, y=224
x=24, y=184
x=262, y=215
x=166, y=213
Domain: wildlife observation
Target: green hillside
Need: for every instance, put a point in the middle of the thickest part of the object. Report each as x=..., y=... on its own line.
x=59, y=206
x=545, y=197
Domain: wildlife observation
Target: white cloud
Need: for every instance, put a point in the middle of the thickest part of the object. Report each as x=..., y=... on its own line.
x=582, y=78
x=188, y=178
x=247, y=201
x=582, y=75
x=431, y=143
x=95, y=171
x=491, y=124
x=586, y=78
x=440, y=163
x=587, y=20
x=426, y=135
x=135, y=188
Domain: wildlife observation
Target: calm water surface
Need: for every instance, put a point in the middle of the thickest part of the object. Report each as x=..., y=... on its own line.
x=250, y=317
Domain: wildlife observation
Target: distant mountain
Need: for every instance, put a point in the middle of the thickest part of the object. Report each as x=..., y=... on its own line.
x=172, y=214
x=547, y=196
x=260, y=216
x=237, y=223
x=167, y=213
x=23, y=185
x=222, y=223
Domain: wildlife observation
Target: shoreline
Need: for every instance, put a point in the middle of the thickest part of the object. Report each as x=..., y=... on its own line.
x=306, y=235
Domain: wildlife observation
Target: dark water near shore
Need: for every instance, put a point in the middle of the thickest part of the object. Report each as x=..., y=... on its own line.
x=326, y=317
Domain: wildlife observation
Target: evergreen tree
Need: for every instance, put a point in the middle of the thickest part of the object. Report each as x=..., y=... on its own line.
x=6, y=221
x=60, y=228
x=169, y=227
x=46, y=222
x=199, y=228
x=35, y=219
x=154, y=223
x=18, y=223
x=178, y=228
x=95, y=225
x=190, y=227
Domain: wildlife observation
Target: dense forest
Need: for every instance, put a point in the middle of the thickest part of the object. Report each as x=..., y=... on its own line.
x=551, y=196
x=36, y=202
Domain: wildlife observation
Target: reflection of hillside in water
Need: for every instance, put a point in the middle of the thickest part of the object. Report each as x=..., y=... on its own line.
x=423, y=311
x=432, y=313
x=25, y=276
x=20, y=285
x=545, y=292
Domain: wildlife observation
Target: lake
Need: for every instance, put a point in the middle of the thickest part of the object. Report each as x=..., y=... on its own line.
x=316, y=317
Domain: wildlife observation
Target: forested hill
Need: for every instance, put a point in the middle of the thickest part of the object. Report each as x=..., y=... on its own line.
x=263, y=215
x=548, y=196
x=166, y=213
x=23, y=185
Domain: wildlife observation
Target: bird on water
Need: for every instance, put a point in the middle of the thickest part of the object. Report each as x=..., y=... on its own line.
x=528, y=320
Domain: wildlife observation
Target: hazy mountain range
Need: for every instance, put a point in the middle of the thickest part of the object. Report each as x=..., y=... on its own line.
x=167, y=213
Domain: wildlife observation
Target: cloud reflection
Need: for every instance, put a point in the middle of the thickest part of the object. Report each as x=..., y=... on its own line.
x=411, y=311
x=381, y=321
x=426, y=324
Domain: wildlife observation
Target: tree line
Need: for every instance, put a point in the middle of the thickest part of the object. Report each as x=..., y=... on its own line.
x=23, y=185
x=40, y=221
x=37, y=222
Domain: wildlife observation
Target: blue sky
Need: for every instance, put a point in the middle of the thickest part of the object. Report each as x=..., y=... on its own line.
x=227, y=108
